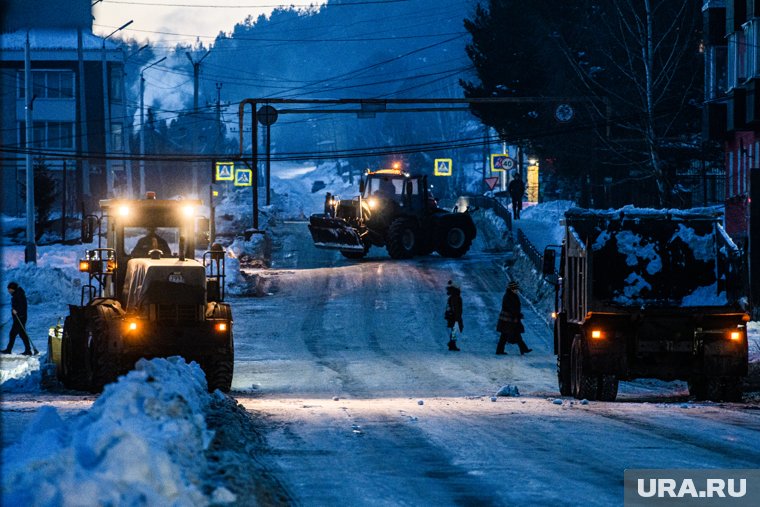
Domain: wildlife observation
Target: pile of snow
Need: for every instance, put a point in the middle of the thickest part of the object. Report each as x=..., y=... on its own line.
x=139, y=444
x=43, y=283
x=19, y=373
x=541, y=223
x=753, y=339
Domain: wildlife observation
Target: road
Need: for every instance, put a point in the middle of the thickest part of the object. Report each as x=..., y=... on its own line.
x=354, y=398
x=347, y=373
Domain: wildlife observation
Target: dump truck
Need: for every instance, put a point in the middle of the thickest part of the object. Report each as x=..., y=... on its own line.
x=648, y=294
x=146, y=297
x=394, y=210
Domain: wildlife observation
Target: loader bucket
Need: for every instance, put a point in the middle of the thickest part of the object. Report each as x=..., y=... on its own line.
x=334, y=234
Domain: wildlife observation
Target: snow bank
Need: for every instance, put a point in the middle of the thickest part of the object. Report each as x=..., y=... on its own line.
x=19, y=373
x=753, y=339
x=44, y=283
x=139, y=444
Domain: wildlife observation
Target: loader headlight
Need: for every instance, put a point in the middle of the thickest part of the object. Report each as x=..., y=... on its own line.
x=188, y=211
x=132, y=326
x=735, y=336
x=84, y=266
x=123, y=210
x=372, y=202
x=221, y=327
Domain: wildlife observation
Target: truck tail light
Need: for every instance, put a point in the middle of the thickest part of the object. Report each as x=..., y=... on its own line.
x=84, y=266
x=735, y=336
x=221, y=327
x=597, y=334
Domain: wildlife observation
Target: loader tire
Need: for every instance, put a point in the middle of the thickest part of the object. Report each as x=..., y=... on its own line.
x=219, y=372
x=454, y=241
x=607, y=388
x=103, y=360
x=402, y=239
x=584, y=386
x=73, y=370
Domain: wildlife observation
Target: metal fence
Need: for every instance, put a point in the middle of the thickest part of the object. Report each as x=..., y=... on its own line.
x=530, y=250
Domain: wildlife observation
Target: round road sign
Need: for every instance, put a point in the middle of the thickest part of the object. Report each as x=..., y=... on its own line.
x=266, y=115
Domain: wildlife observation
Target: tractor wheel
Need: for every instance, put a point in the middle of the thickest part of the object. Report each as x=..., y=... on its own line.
x=453, y=241
x=583, y=385
x=102, y=361
x=563, y=375
x=219, y=370
x=402, y=239
x=608, y=387
x=72, y=371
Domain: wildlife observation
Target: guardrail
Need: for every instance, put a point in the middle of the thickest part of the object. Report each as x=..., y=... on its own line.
x=530, y=250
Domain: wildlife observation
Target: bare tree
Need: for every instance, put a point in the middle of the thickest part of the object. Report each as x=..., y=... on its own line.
x=643, y=69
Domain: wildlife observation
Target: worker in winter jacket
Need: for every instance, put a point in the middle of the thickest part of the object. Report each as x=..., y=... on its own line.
x=453, y=313
x=18, y=317
x=516, y=189
x=510, y=324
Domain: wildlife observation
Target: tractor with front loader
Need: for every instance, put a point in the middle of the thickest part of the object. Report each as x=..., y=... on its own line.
x=146, y=297
x=394, y=210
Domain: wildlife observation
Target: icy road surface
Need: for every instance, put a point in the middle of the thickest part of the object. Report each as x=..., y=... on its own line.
x=355, y=400
x=346, y=370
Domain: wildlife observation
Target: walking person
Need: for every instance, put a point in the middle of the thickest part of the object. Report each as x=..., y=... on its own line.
x=510, y=324
x=516, y=189
x=18, y=316
x=453, y=313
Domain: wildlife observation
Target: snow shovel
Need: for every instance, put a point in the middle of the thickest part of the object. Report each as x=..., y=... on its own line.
x=34, y=349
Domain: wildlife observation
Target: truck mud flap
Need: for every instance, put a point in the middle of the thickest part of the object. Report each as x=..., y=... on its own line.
x=334, y=234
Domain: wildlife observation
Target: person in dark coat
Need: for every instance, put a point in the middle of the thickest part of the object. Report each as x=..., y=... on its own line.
x=453, y=313
x=510, y=324
x=151, y=241
x=18, y=316
x=516, y=189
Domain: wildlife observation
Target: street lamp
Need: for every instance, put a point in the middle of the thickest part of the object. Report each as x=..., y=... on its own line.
x=107, y=114
x=142, y=125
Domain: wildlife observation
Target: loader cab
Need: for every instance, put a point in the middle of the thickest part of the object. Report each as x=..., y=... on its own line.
x=409, y=192
x=148, y=228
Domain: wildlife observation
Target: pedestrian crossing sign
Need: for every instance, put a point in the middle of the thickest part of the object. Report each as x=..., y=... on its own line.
x=243, y=177
x=443, y=167
x=224, y=171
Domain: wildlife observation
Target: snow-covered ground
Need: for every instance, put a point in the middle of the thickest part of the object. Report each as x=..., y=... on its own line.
x=344, y=366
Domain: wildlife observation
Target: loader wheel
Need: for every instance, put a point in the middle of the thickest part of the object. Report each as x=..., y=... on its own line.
x=102, y=362
x=563, y=375
x=72, y=371
x=454, y=242
x=583, y=385
x=402, y=239
x=608, y=387
x=219, y=371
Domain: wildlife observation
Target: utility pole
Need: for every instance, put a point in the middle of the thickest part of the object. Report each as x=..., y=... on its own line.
x=83, y=162
x=30, y=251
x=107, y=114
x=194, y=129
x=142, y=124
x=218, y=143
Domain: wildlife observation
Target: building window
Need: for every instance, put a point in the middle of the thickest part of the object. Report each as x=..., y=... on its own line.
x=751, y=52
x=48, y=134
x=48, y=84
x=716, y=68
x=117, y=137
x=116, y=82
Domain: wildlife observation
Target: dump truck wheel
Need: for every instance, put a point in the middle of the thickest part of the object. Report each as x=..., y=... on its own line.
x=402, y=239
x=608, y=387
x=698, y=388
x=732, y=389
x=454, y=241
x=563, y=375
x=102, y=364
x=72, y=371
x=584, y=386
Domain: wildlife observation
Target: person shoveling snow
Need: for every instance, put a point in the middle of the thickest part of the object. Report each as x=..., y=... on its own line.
x=18, y=315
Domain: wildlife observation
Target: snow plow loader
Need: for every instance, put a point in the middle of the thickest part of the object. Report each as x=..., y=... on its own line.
x=394, y=210
x=648, y=294
x=146, y=297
